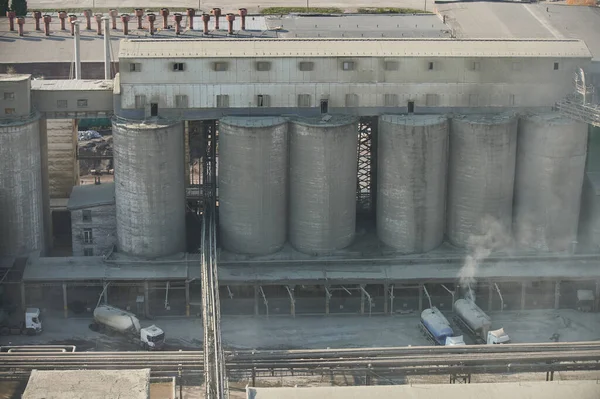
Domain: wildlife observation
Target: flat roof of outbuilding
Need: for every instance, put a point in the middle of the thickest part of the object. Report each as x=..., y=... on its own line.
x=88, y=384
x=512, y=390
x=267, y=48
x=71, y=84
x=91, y=195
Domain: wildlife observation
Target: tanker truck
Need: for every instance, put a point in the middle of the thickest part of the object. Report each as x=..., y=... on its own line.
x=437, y=329
x=114, y=320
x=473, y=320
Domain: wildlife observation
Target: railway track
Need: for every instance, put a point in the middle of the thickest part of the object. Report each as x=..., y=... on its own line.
x=407, y=360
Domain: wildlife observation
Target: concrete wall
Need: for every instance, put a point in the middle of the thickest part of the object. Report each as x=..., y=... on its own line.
x=51, y=102
x=453, y=82
x=63, y=168
x=104, y=229
x=15, y=94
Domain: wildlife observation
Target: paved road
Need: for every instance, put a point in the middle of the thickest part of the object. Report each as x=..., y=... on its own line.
x=226, y=5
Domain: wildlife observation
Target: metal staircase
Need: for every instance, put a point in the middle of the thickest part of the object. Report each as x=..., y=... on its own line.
x=579, y=105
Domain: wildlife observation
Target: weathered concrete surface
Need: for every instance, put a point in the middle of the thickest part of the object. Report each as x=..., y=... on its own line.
x=63, y=169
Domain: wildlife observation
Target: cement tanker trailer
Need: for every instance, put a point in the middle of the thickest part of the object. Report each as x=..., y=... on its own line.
x=471, y=318
x=110, y=319
x=437, y=329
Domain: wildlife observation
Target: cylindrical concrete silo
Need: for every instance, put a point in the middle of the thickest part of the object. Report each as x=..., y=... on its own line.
x=21, y=202
x=253, y=167
x=323, y=164
x=149, y=187
x=550, y=168
x=481, y=173
x=411, y=181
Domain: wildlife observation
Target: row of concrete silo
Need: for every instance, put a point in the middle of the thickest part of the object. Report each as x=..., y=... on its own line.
x=457, y=178
x=505, y=175
x=280, y=180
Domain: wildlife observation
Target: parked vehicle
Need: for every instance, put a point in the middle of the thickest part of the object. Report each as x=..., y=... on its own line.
x=477, y=324
x=110, y=319
x=437, y=329
x=31, y=324
x=585, y=300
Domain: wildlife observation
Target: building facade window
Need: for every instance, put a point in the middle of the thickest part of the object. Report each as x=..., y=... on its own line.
x=9, y=95
x=390, y=100
x=140, y=101
x=390, y=65
x=61, y=103
x=306, y=66
x=475, y=66
x=86, y=215
x=178, y=66
x=220, y=66
x=87, y=236
x=431, y=100
x=348, y=65
x=263, y=66
x=9, y=111
x=262, y=100
x=135, y=67
x=351, y=100
x=82, y=103
x=430, y=66
x=556, y=66
x=88, y=251
x=222, y=101
x=181, y=101
x=303, y=100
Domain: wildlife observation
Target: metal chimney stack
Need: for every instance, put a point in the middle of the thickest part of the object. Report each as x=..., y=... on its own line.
x=205, y=19
x=11, y=20
x=37, y=15
x=217, y=13
x=113, y=15
x=190, y=14
x=20, y=23
x=62, y=15
x=88, y=19
x=72, y=18
x=230, y=18
x=139, y=13
x=243, y=12
x=177, y=17
x=165, y=14
x=47, y=20
x=125, y=20
x=99, y=24
x=107, y=69
x=151, y=18
x=75, y=25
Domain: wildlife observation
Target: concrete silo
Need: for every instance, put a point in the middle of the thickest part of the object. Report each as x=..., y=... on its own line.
x=21, y=194
x=411, y=181
x=149, y=187
x=323, y=162
x=481, y=173
x=253, y=168
x=550, y=169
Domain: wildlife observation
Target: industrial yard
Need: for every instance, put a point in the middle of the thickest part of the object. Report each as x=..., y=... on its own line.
x=225, y=203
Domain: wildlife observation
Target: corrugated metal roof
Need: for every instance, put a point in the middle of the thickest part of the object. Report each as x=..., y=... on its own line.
x=71, y=84
x=91, y=195
x=266, y=48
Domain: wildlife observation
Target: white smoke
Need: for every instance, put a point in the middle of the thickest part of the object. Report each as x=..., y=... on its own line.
x=495, y=236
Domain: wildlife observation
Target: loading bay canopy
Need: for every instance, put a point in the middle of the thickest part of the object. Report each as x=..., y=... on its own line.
x=330, y=271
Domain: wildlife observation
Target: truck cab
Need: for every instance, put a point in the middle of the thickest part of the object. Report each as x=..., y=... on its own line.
x=33, y=323
x=152, y=338
x=498, y=337
x=455, y=341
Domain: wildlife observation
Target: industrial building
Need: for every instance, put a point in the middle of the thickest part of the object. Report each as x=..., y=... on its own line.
x=345, y=173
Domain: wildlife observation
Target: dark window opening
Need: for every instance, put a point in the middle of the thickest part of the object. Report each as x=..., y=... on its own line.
x=260, y=100
x=153, y=109
x=178, y=66
x=411, y=107
x=430, y=66
x=324, y=106
x=87, y=215
x=556, y=66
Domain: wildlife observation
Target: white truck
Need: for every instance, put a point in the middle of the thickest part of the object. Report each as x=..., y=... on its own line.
x=471, y=318
x=31, y=325
x=110, y=319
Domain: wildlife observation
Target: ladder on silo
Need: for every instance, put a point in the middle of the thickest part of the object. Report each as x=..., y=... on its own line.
x=578, y=105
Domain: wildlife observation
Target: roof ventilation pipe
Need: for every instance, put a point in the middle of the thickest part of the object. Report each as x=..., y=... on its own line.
x=177, y=17
x=75, y=25
x=151, y=18
x=20, y=23
x=125, y=20
x=190, y=14
x=99, y=24
x=243, y=12
x=205, y=19
x=113, y=16
x=62, y=15
x=72, y=18
x=165, y=14
x=11, y=20
x=230, y=18
x=37, y=15
x=88, y=19
x=47, y=20
x=139, y=13
x=217, y=13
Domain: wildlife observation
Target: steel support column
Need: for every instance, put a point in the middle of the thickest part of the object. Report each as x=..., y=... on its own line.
x=523, y=293
x=105, y=292
x=367, y=164
x=146, y=298
x=23, y=298
x=362, y=299
x=65, y=300
x=187, y=298
x=386, y=297
x=420, y=298
x=255, y=300
x=327, y=298
x=556, y=294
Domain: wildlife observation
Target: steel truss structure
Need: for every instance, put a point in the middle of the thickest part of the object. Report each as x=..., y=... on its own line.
x=367, y=164
x=579, y=105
